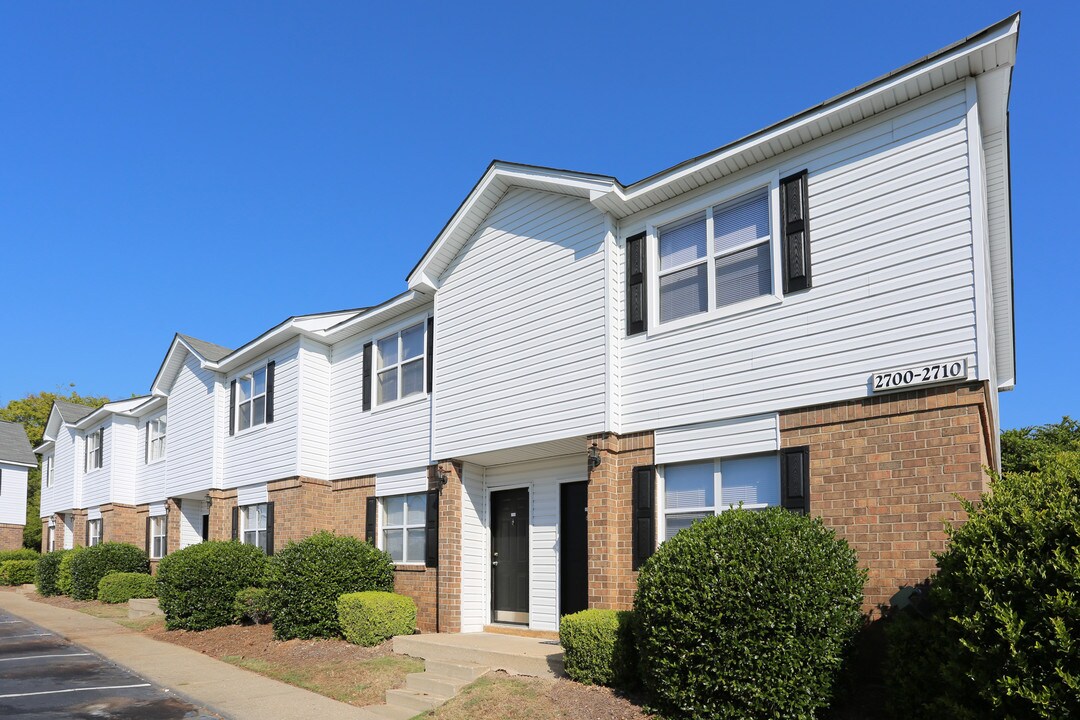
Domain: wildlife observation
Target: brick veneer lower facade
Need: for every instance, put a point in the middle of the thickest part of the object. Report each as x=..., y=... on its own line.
x=11, y=536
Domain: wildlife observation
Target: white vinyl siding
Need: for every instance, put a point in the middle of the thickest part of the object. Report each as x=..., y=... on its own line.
x=13, y=494
x=723, y=438
x=893, y=283
x=314, y=409
x=380, y=440
x=96, y=477
x=269, y=451
x=191, y=521
x=125, y=449
x=520, y=328
x=475, y=560
x=192, y=425
x=401, y=481
x=63, y=493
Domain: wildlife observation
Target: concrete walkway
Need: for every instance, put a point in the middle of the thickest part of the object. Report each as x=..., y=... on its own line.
x=227, y=690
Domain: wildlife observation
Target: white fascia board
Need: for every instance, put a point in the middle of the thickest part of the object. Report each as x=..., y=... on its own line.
x=18, y=464
x=44, y=447
x=373, y=317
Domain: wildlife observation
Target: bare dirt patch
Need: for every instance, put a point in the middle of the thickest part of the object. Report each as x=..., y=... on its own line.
x=525, y=698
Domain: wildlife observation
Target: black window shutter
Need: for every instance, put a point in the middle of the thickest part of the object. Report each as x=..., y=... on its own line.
x=795, y=479
x=366, y=389
x=101, y=447
x=429, y=357
x=644, y=515
x=232, y=407
x=795, y=226
x=101, y=528
x=270, y=391
x=87, y=532
x=149, y=546
x=431, y=530
x=205, y=527
x=269, y=528
x=235, y=523
x=635, y=284
x=165, y=534
x=369, y=520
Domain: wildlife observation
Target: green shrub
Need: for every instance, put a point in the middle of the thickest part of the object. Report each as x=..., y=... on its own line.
x=119, y=587
x=747, y=615
x=47, y=577
x=197, y=585
x=999, y=634
x=307, y=577
x=94, y=563
x=21, y=554
x=369, y=618
x=598, y=647
x=63, y=578
x=252, y=605
x=17, y=572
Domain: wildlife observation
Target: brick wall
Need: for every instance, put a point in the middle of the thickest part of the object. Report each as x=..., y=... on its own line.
x=78, y=527
x=172, y=525
x=612, y=581
x=884, y=473
x=349, y=500
x=45, y=535
x=122, y=523
x=449, y=570
x=11, y=536
x=302, y=507
x=222, y=503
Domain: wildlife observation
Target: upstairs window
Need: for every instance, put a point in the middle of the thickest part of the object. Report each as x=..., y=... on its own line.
x=155, y=439
x=693, y=491
x=93, y=532
x=717, y=257
x=251, y=399
x=400, y=364
x=94, y=454
x=403, y=527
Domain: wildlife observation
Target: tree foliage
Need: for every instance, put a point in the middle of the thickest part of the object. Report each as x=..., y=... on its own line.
x=1027, y=449
x=32, y=412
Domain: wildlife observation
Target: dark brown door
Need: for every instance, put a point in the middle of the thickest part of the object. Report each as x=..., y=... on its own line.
x=573, y=547
x=510, y=556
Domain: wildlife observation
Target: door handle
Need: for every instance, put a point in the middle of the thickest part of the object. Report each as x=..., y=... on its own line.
x=494, y=562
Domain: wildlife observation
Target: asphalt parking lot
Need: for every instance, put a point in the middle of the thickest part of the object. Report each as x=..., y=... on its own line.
x=43, y=676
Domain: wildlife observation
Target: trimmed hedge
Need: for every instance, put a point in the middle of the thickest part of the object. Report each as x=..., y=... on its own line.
x=252, y=605
x=119, y=587
x=94, y=563
x=370, y=618
x=598, y=647
x=64, y=579
x=309, y=576
x=197, y=585
x=746, y=615
x=21, y=554
x=17, y=572
x=999, y=632
x=47, y=577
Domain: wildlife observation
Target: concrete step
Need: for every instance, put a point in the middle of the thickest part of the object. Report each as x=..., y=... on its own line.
x=143, y=607
x=387, y=712
x=456, y=670
x=515, y=655
x=418, y=702
x=427, y=682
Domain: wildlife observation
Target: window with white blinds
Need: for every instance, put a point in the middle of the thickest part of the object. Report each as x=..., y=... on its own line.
x=691, y=490
x=715, y=258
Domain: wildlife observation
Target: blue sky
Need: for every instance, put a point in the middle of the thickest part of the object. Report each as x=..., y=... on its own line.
x=213, y=168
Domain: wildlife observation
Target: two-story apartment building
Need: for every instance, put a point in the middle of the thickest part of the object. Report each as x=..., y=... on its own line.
x=16, y=461
x=817, y=316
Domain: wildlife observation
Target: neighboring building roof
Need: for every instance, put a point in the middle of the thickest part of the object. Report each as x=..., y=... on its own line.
x=15, y=446
x=208, y=350
x=72, y=412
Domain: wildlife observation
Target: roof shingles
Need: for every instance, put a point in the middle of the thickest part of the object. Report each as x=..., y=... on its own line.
x=14, y=445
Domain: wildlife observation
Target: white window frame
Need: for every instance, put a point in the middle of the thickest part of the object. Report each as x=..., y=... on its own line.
x=250, y=378
x=52, y=537
x=93, y=532
x=717, y=507
x=93, y=459
x=47, y=471
x=258, y=532
x=703, y=205
x=397, y=331
x=158, y=539
x=405, y=527
x=156, y=430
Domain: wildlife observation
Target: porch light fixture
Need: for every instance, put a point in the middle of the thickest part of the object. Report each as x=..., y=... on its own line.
x=594, y=456
x=442, y=476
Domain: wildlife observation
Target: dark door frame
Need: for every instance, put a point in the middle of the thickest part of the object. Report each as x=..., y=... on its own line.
x=562, y=552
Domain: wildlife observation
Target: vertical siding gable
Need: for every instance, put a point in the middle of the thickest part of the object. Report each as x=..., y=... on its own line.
x=314, y=409
x=522, y=324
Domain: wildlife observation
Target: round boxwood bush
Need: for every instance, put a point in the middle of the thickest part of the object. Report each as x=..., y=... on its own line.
x=63, y=578
x=252, y=605
x=17, y=572
x=747, y=615
x=119, y=587
x=370, y=618
x=307, y=577
x=999, y=634
x=94, y=563
x=47, y=576
x=197, y=585
x=598, y=647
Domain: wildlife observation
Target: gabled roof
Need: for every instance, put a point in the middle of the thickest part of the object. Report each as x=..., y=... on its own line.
x=70, y=412
x=15, y=446
x=208, y=350
x=987, y=50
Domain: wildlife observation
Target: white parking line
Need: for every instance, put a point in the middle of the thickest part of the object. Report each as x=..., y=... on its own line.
x=71, y=690
x=12, y=637
x=10, y=622
x=35, y=657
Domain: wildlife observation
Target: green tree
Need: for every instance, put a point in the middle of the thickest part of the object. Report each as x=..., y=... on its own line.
x=32, y=412
x=1027, y=449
